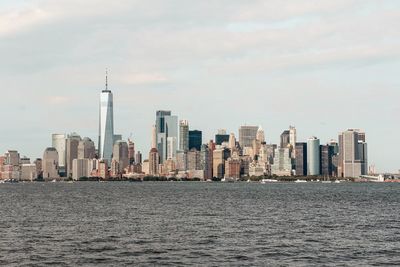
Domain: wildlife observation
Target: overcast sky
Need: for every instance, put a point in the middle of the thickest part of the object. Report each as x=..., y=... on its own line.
x=321, y=65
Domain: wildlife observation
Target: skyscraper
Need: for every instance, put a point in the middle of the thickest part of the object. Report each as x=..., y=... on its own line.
x=326, y=159
x=301, y=159
x=86, y=149
x=106, y=124
x=58, y=142
x=353, y=157
x=120, y=155
x=260, y=135
x=195, y=139
x=247, y=134
x=166, y=126
x=153, y=161
x=285, y=139
x=50, y=163
x=183, y=135
x=71, y=151
x=293, y=139
x=313, y=156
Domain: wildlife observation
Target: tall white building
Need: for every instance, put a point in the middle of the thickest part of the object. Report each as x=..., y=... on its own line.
x=313, y=156
x=58, y=142
x=106, y=125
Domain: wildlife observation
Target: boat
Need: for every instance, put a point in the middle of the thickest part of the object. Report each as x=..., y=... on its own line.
x=228, y=179
x=209, y=180
x=326, y=182
x=264, y=181
x=11, y=181
x=300, y=181
x=337, y=182
x=54, y=180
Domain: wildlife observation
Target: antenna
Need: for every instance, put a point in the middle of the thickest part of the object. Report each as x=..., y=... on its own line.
x=106, y=79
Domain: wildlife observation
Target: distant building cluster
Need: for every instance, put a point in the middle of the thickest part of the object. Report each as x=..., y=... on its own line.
x=179, y=151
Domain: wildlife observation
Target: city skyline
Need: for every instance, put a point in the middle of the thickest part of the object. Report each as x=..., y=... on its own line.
x=339, y=77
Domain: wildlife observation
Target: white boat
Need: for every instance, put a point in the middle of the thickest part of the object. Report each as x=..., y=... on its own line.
x=326, y=182
x=300, y=181
x=337, y=182
x=228, y=179
x=208, y=180
x=263, y=181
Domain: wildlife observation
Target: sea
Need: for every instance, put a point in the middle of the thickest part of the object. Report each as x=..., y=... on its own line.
x=199, y=224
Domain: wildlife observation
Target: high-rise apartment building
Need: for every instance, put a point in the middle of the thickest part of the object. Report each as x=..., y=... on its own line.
x=313, y=156
x=106, y=124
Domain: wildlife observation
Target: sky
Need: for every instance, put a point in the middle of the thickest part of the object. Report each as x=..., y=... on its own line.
x=323, y=66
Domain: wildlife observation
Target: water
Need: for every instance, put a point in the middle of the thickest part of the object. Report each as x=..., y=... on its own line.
x=209, y=224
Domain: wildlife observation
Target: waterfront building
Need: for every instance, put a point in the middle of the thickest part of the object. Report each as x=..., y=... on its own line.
x=282, y=162
x=50, y=164
x=103, y=169
x=39, y=167
x=86, y=149
x=301, y=159
x=81, y=167
x=71, y=151
x=28, y=172
x=184, y=135
x=352, y=153
x=195, y=139
x=106, y=124
x=326, y=159
x=58, y=142
x=232, y=168
x=154, y=161
x=247, y=134
x=256, y=169
x=146, y=167
x=166, y=126
x=313, y=156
